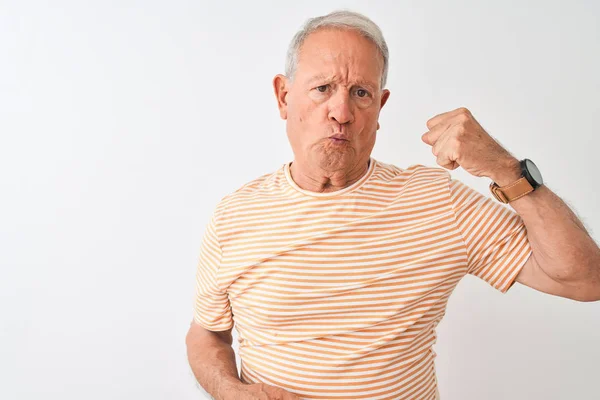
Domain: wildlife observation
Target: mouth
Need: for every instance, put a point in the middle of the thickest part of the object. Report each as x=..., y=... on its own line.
x=339, y=138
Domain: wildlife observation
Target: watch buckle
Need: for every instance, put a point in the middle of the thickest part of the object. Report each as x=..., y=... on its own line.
x=498, y=194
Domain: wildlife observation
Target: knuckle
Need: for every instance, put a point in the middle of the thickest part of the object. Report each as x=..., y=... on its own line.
x=458, y=147
x=463, y=118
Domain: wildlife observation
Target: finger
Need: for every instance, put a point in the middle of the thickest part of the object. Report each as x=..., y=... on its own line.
x=285, y=395
x=447, y=154
x=289, y=396
x=432, y=136
x=445, y=163
x=440, y=118
x=277, y=393
x=440, y=142
x=440, y=129
x=273, y=392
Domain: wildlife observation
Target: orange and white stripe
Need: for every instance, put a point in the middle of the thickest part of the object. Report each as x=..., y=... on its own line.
x=337, y=295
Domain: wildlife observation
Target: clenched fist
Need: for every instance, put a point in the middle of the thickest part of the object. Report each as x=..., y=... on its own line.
x=459, y=140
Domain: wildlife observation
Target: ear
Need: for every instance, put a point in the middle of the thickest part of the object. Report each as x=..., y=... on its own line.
x=384, y=98
x=281, y=87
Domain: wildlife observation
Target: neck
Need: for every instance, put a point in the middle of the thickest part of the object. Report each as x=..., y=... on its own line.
x=319, y=180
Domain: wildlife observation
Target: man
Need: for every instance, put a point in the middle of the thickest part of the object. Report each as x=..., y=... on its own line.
x=337, y=268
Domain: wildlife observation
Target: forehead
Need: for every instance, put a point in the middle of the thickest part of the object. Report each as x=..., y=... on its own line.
x=341, y=53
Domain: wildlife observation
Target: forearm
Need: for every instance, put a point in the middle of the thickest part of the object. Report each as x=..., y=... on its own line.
x=213, y=363
x=559, y=241
x=563, y=247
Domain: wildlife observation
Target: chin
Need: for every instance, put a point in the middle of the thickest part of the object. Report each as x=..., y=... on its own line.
x=335, y=160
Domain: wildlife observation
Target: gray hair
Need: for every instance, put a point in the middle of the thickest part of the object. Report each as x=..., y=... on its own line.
x=338, y=19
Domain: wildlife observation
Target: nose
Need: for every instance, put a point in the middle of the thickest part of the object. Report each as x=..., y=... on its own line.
x=341, y=108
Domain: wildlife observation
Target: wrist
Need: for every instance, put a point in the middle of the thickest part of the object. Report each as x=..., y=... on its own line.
x=230, y=389
x=509, y=171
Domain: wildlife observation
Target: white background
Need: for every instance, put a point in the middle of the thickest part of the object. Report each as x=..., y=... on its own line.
x=124, y=123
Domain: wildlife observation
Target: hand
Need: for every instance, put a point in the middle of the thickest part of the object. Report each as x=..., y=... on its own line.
x=459, y=140
x=260, y=391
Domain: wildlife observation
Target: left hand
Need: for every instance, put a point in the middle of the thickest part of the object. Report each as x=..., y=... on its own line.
x=459, y=140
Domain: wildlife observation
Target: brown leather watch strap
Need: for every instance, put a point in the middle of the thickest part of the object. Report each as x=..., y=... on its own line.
x=511, y=192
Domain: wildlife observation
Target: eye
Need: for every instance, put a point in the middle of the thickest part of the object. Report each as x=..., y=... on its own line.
x=362, y=93
x=322, y=88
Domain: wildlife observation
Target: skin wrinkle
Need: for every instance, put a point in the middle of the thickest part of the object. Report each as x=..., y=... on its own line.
x=346, y=60
x=579, y=252
x=347, y=68
x=342, y=61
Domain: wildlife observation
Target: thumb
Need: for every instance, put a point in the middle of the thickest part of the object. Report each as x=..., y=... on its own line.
x=425, y=137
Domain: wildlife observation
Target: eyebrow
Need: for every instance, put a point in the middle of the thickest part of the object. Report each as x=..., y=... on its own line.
x=360, y=82
x=319, y=78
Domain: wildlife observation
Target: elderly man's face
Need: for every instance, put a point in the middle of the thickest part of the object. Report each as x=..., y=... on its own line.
x=335, y=91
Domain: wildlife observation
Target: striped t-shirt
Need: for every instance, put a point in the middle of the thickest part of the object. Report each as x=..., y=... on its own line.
x=337, y=295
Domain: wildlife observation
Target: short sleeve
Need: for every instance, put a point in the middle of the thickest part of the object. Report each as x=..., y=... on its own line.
x=495, y=236
x=212, y=309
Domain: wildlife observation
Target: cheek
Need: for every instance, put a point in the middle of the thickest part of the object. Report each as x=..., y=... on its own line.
x=307, y=113
x=372, y=116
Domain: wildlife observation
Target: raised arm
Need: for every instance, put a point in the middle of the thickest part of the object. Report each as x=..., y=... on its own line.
x=565, y=259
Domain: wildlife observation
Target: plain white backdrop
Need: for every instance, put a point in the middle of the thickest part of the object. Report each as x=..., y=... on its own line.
x=123, y=123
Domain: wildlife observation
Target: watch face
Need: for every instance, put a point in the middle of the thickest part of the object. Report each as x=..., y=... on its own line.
x=534, y=171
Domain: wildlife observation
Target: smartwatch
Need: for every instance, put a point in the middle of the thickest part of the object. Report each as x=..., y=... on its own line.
x=531, y=179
